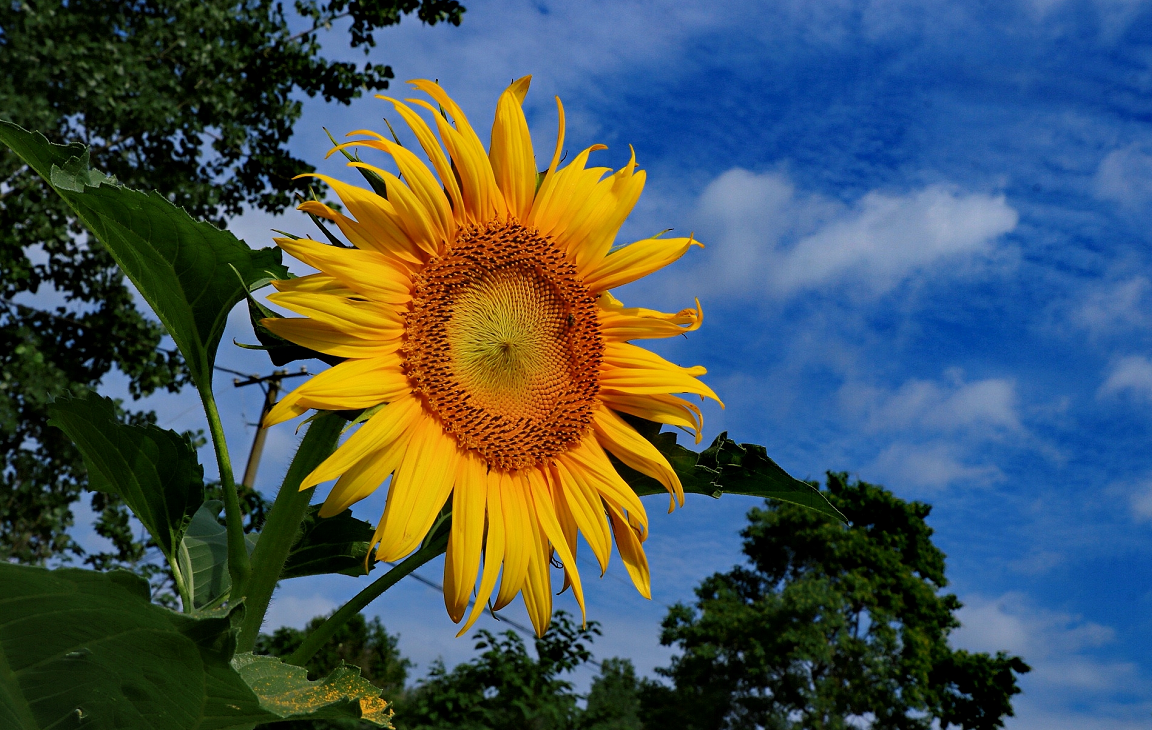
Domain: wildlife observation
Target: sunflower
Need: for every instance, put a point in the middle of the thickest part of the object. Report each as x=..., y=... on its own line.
x=477, y=329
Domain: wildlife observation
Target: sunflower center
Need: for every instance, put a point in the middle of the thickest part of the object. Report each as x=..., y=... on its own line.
x=504, y=343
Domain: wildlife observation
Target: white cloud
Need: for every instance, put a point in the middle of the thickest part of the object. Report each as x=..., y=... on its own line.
x=953, y=405
x=929, y=466
x=1060, y=648
x=1130, y=374
x=1125, y=176
x=776, y=241
x=1115, y=306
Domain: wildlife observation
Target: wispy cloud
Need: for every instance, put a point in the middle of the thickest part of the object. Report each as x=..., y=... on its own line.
x=1064, y=651
x=777, y=241
x=1130, y=375
x=1125, y=176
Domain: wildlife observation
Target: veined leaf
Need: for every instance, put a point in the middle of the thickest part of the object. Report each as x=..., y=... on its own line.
x=155, y=471
x=725, y=467
x=337, y=544
x=81, y=649
x=285, y=691
x=203, y=555
x=181, y=266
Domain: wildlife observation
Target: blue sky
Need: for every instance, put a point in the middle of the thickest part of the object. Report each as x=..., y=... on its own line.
x=927, y=263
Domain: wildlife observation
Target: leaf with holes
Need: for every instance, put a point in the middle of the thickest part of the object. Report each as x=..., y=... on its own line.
x=285, y=691
x=725, y=467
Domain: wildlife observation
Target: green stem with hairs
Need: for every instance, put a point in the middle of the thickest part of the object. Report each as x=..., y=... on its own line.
x=318, y=638
x=283, y=524
x=238, y=566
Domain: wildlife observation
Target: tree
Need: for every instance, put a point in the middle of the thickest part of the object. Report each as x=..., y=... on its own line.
x=504, y=688
x=829, y=626
x=197, y=98
x=365, y=644
x=614, y=699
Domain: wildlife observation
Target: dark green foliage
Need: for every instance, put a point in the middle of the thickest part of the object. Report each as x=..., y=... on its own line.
x=195, y=98
x=362, y=643
x=614, y=700
x=504, y=688
x=828, y=625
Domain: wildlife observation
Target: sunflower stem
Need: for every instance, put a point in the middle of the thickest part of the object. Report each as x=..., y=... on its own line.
x=283, y=524
x=318, y=638
x=238, y=566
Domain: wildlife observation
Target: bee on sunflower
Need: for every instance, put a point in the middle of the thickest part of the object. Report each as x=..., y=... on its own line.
x=475, y=320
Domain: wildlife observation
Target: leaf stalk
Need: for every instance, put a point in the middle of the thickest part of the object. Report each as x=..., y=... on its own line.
x=283, y=524
x=318, y=638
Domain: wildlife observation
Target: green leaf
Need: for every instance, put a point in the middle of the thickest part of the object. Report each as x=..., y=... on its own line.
x=154, y=470
x=81, y=649
x=725, y=467
x=337, y=544
x=285, y=691
x=203, y=555
x=179, y=265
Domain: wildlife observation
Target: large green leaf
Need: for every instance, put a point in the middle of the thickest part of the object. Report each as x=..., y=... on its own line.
x=184, y=268
x=203, y=555
x=725, y=467
x=154, y=470
x=285, y=691
x=337, y=544
x=81, y=649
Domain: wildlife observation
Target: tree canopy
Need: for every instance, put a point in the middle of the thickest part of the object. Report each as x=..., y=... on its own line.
x=197, y=98
x=829, y=626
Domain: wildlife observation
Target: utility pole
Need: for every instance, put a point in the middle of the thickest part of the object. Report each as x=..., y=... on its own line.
x=270, y=384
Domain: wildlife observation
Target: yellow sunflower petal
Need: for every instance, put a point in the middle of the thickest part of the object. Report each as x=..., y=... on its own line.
x=621, y=325
x=386, y=426
x=668, y=409
x=418, y=222
x=365, y=476
x=346, y=386
x=589, y=459
x=316, y=283
x=368, y=319
x=519, y=540
x=583, y=502
x=630, y=447
x=462, y=560
x=434, y=152
x=631, y=552
x=380, y=226
x=540, y=492
x=420, y=487
x=420, y=181
x=635, y=371
x=482, y=197
x=589, y=235
x=564, y=193
x=327, y=339
x=493, y=550
x=513, y=162
x=568, y=526
x=635, y=261
x=537, y=589
x=366, y=272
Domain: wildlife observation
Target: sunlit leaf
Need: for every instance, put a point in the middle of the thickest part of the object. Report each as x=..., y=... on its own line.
x=184, y=268
x=285, y=691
